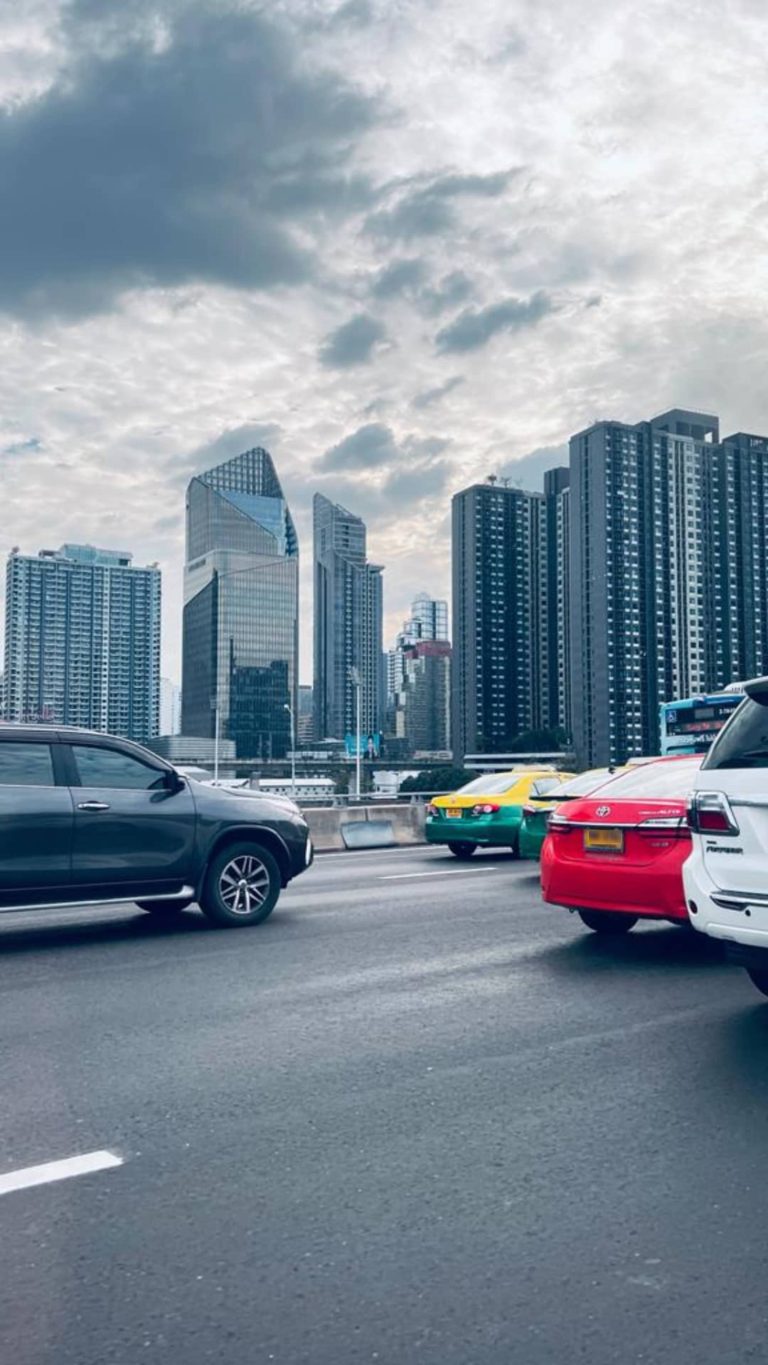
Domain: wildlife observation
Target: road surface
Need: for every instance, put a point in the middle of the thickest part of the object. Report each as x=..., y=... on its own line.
x=418, y=1117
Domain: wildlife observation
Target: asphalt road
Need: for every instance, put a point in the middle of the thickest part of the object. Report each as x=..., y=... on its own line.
x=415, y=1118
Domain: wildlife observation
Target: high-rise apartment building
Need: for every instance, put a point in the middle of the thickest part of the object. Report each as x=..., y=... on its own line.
x=506, y=673
x=82, y=641
x=668, y=578
x=348, y=625
x=240, y=646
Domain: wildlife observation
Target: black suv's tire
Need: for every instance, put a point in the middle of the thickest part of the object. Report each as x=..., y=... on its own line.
x=759, y=977
x=164, y=909
x=242, y=886
x=462, y=850
x=607, y=921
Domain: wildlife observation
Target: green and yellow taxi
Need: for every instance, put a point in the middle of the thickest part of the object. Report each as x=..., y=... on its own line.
x=487, y=812
x=538, y=807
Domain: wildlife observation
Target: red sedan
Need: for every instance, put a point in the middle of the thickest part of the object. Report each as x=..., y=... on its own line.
x=617, y=855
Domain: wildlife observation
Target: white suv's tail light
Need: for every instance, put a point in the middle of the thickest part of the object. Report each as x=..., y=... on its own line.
x=710, y=813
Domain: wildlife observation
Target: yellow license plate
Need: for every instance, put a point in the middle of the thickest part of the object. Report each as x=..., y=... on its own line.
x=604, y=840
x=454, y=814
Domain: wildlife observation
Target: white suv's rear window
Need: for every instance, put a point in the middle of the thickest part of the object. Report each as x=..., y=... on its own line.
x=744, y=741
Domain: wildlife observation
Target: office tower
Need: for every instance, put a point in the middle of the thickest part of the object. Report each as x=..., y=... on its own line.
x=305, y=721
x=82, y=641
x=430, y=617
x=499, y=616
x=667, y=573
x=348, y=625
x=240, y=645
x=418, y=679
x=170, y=707
x=422, y=701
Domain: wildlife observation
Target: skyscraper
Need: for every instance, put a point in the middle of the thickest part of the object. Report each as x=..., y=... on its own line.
x=348, y=625
x=82, y=641
x=505, y=677
x=240, y=645
x=667, y=573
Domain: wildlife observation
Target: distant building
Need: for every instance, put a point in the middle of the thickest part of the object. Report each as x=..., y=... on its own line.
x=170, y=707
x=423, y=703
x=668, y=573
x=348, y=625
x=240, y=646
x=305, y=722
x=418, y=680
x=82, y=641
x=507, y=564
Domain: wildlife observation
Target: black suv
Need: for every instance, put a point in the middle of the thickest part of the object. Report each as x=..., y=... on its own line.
x=86, y=819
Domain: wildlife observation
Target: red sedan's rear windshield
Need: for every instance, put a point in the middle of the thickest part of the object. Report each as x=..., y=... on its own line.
x=667, y=780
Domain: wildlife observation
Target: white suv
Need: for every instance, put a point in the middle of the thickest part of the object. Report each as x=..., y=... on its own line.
x=726, y=875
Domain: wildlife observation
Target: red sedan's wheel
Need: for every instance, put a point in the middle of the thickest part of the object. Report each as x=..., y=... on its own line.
x=607, y=921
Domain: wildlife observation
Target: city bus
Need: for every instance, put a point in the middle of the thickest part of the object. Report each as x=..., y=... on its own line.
x=688, y=726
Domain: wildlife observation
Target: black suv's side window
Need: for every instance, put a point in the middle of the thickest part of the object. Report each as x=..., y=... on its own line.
x=98, y=767
x=26, y=765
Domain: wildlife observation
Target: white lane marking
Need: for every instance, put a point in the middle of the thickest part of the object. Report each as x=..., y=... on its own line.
x=446, y=872
x=58, y=1170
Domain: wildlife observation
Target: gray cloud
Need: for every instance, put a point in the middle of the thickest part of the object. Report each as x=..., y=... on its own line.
x=430, y=396
x=399, y=277
x=163, y=164
x=353, y=343
x=528, y=472
x=429, y=209
x=475, y=326
x=419, y=480
x=451, y=290
x=375, y=446
x=367, y=448
x=223, y=447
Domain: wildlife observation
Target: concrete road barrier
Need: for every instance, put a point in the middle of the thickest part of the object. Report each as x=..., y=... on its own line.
x=334, y=829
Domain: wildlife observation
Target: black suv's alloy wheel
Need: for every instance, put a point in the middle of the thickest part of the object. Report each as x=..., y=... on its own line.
x=242, y=885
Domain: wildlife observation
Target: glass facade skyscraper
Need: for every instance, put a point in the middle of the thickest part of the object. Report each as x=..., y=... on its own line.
x=82, y=641
x=348, y=625
x=240, y=646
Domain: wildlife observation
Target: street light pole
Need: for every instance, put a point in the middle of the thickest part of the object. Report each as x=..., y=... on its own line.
x=216, y=733
x=292, y=716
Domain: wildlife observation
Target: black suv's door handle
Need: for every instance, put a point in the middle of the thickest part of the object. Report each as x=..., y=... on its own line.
x=93, y=805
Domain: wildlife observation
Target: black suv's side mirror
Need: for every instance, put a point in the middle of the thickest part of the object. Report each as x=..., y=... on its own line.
x=174, y=782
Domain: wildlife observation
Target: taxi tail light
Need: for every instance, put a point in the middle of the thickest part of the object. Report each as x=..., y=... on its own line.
x=529, y=810
x=432, y=810
x=665, y=824
x=710, y=813
x=486, y=808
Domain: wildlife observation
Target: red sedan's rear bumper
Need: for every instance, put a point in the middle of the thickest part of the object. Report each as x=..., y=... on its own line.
x=602, y=882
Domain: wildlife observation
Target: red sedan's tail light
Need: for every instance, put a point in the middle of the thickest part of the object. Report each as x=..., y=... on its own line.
x=486, y=808
x=558, y=824
x=710, y=813
x=665, y=824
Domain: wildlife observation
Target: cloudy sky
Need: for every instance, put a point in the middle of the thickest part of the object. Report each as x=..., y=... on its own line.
x=402, y=243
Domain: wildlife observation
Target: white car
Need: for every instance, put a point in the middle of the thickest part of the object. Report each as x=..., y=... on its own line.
x=726, y=874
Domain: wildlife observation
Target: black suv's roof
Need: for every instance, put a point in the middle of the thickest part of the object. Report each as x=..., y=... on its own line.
x=61, y=734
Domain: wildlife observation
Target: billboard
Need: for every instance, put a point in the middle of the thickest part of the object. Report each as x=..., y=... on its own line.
x=370, y=745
